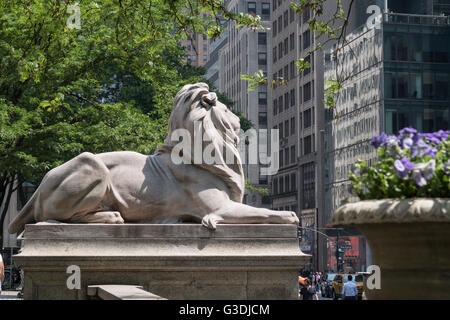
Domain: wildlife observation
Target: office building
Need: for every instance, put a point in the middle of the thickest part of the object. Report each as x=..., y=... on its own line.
x=245, y=52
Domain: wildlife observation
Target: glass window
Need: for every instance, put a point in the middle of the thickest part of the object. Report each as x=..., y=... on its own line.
x=274, y=29
x=292, y=126
x=265, y=10
x=274, y=54
x=275, y=186
x=287, y=185
x=307, y=118
x=285, y=17
x=286, y=45
x=262, y=38
x=275, y=107
x=293, y=175
x=262, y=58
x=292, y=97
x=280, y=103
x=262, y=120
x=251, y=6
x=280, y=23
x=308, y=144
x=286, y=101
x=281, y=131
x=262, y=98
x=306, y=16
x=307, y=92
x=307, y=70
x=286, y=129
x=286, y=162
x=306, y=39
x=291, y=15
x=308, y=186
x=291, y=42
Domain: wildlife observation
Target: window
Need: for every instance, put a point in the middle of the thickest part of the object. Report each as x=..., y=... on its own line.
x=262, y=58
x=280, y=50
x=205, y=47
x=275, y=107
x=293, y=178
x=292, y=68
x=265, y=10
x=307, y=92
x=307, y=70
x=300, y=43
x=194, y=58
x=204, y=37
x=281, y=178
x=280, y=103
x=262, y=98
x=292, y=97
x=285, y=17
x=291, y=15
x=274, y=54
x=286, y=131
x=308, y=186
x=286, y=162
x=286, y=72
x=293, y=156
x=292, y=126
x=291, y=42
x=286, y=45
x=274, y=5
x=306, y=39
x=307, y=118
x=281, y=155
x=280, y=23
x=251, y=8
x=275, y=186
x=205, y=58
x=306, y=15
x=308, y=145
x=274, y=29
x=262, y=120
x=286, y=184
x=286, y=101
x=281, y=133
x=262, y=38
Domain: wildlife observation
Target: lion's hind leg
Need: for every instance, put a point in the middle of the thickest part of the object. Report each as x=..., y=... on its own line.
x=110, y=217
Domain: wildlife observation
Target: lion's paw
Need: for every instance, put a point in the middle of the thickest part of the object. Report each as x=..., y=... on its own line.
x=210, y=221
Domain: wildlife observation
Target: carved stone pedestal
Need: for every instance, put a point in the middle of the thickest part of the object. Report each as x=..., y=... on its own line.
x=177, y=261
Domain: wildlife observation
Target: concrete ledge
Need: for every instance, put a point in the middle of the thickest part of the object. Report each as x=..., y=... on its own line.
x=234, y=262
x=121, y=292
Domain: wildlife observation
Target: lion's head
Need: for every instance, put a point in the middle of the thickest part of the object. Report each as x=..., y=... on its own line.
x=195, y=107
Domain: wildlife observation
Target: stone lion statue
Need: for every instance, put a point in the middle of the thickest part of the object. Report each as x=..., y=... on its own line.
x=128, y=187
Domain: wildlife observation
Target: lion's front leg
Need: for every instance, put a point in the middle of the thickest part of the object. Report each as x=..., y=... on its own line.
x=234, y=212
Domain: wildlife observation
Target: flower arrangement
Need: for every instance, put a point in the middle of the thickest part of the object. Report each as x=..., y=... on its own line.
x=410, y=165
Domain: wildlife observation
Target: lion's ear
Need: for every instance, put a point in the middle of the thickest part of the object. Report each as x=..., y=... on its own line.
x=209, y=100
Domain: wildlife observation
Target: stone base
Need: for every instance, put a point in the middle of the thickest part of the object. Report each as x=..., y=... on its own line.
x=177, y=261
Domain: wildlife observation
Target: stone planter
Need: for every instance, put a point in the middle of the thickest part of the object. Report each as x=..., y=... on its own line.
x=410, y=242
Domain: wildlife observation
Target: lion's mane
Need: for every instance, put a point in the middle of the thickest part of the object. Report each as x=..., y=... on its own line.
x=193, y=103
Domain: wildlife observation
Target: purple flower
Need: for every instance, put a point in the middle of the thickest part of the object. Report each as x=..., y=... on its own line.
x=408, y=132
x=407, y=143
x=378, y=141
x=403, y=167
x=424, y=172
x=419, y=179
x=447, y=168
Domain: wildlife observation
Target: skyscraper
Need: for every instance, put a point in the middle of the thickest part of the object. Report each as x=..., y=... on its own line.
x=245, y=52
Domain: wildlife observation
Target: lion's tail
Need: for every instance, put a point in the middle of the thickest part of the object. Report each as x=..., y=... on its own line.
x=25, y=216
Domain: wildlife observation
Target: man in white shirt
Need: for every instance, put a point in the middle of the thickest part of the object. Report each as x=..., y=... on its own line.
x=349, y=290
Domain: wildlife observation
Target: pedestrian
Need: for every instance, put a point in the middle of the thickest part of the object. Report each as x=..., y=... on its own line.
x=2, y=272
x=308, y=292
x=349, y=290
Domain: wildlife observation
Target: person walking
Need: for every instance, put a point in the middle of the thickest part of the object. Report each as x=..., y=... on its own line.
x=349, y=290
x=2, y=272
x=308, y=292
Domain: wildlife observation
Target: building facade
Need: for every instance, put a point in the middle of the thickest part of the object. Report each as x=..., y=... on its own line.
x=245, y=52
x=400, y=77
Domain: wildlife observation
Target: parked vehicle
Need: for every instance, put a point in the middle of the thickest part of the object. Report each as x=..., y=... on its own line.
x=340, y=279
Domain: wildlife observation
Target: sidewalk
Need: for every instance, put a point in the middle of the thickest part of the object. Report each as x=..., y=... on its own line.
x=9, y=295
